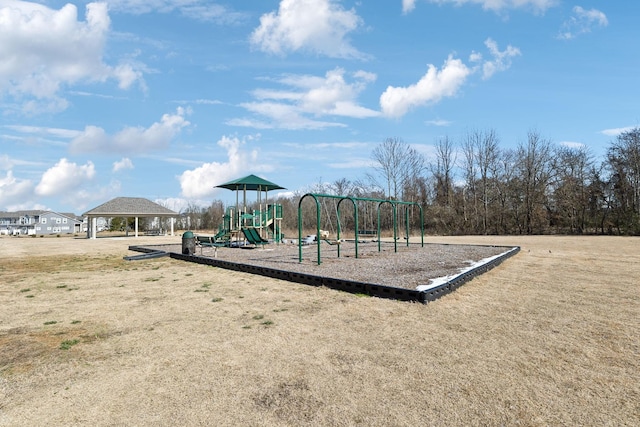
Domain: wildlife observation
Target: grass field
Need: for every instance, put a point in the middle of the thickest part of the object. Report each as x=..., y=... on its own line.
x=549, y=337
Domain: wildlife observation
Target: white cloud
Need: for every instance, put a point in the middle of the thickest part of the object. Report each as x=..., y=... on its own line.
x=364, y=163
x=37, y=106
x=83, y=198
x=5, y=162
x=179, y=204
x=199, y=102
x=200, y=10
x=328, y=95
x=44, y=49
x=199, y=183
x=281, y=116
x=132, y=139
x=537, y=6
x=446, y=82
x=331, y=146
x=501, y=60
x=438, y=122
x=63, y=177
x=65, y=181
x=582, y=22
x=309, y=96
x=14, y=192
x=44, y=131
x=617, y=131
x=572, y=144
x=431, y=88
x=317, y=26
x=408, y=5
x=123, y=164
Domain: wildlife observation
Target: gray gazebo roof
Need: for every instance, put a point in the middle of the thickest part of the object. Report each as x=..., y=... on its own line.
x=130, y=207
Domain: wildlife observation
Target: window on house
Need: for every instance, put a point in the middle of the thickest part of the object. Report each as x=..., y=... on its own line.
x=44, y=220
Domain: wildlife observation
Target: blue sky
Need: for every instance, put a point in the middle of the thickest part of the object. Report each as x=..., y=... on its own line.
x=165, y=99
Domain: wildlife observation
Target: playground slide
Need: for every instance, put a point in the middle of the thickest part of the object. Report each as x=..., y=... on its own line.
x=221, y=234
x=252, y=236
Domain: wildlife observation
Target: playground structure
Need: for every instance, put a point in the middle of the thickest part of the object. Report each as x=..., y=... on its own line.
x=257, y=226
x=357, y=232
x=239, y=223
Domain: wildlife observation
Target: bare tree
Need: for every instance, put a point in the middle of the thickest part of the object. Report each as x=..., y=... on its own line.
x=508, y=199
x=343, y=187
x=487, y=154
x=534, y=173
x=399, y=164
x=623, y=158
x=572, y=168
x=442, y=170
x=470, y=195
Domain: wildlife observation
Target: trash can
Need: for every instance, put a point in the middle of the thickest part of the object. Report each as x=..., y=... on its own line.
x=188, y=243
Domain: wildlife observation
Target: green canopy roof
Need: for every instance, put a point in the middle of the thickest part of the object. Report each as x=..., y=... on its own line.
x=251, y=183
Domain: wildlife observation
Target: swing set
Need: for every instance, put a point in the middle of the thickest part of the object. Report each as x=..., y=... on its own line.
x=354, y=201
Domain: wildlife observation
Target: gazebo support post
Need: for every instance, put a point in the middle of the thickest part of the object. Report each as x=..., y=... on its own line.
x=94, y=227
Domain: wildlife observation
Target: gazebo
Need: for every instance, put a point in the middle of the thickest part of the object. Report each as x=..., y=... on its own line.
x=127, y=207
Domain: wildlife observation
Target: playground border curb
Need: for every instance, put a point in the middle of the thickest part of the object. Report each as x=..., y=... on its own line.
x=354, y=287
x=459, y=280
x=146, y=253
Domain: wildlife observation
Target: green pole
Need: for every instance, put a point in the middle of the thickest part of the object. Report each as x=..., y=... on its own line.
x=355, y=220
x=379, y=230
x=300, y=226
x=406, y=223
x=421, y=225
x=395, y=227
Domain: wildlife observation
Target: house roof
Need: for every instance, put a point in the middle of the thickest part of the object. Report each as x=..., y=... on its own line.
x=252, y=183
x=128, y=207
x=38, y=213
x=18, y=214
x=71, y=216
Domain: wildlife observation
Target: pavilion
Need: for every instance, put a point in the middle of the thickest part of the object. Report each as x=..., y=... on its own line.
x=127, y=207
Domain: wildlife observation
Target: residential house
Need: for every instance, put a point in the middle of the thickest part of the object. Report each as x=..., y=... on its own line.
x=39, y=222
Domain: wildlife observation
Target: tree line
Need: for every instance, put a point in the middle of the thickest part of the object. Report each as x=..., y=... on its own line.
x=475, y=186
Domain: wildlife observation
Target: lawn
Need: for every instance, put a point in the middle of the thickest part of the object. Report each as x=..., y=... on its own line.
x=549, y=337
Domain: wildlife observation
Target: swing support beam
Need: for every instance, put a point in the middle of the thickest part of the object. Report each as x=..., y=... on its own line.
x=354, y=200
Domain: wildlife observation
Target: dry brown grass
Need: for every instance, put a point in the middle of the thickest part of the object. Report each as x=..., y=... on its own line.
x=550, y=337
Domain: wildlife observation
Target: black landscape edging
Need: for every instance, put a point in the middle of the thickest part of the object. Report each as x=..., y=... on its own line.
x=146, y=255
x=453, y=284
x=350, y=286
x=145, y=249
x=354, y=287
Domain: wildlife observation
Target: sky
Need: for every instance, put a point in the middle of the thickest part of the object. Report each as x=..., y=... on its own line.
x=165, y=99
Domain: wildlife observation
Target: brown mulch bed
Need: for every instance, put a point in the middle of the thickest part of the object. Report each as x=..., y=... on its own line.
x=398, y=266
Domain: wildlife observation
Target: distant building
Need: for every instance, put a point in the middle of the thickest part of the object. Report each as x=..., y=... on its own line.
x=40, y=222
